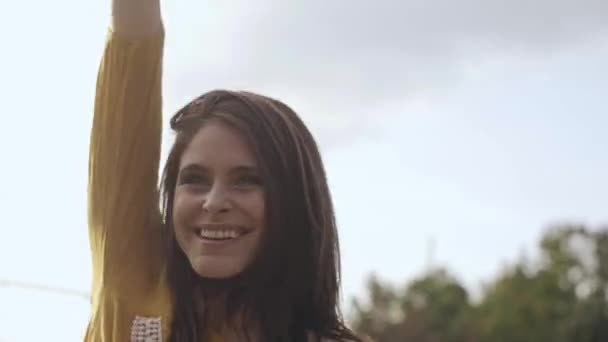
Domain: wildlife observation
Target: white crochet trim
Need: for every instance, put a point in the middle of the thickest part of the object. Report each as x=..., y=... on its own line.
x=146, y=329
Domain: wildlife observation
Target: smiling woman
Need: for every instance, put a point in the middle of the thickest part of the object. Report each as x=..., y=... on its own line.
x=245, y=246
x=241, y=241
x=218, y=202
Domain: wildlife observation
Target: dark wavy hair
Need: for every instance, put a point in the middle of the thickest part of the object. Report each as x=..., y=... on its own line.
x=292, y=286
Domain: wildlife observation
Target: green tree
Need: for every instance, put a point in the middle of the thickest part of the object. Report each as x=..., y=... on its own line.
x=524, y=305
x=432, y=308
x=561, y=297
x=590, y=321
x=380, y=318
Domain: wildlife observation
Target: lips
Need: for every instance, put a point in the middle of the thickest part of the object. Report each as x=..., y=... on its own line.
x=220, y=232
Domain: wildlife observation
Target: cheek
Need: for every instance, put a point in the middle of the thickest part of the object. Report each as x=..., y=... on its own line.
x=184, y=207
x=253, y=205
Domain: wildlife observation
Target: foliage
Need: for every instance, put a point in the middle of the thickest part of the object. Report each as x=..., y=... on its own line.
x=559, y=298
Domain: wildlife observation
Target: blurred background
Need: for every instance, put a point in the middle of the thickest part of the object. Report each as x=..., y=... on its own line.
x=465, y=143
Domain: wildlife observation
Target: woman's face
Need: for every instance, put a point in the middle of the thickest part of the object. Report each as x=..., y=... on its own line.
x=218, y=209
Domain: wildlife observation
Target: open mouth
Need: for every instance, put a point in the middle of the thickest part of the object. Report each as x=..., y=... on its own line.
x=226, y=234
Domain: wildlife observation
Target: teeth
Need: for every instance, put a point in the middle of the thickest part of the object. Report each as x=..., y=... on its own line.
x=219, y=234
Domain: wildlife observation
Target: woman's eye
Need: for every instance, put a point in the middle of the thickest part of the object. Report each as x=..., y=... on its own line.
x=193, y=179
x=246, y=181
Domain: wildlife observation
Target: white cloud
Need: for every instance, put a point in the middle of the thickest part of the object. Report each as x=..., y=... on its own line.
x=337, y=62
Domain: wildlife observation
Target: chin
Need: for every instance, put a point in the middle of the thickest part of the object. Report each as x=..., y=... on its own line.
x=216, y=269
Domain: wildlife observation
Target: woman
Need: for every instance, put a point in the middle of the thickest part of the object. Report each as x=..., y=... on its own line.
x=245, y=245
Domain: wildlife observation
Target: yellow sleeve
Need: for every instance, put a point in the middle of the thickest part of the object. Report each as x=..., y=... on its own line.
x=123, y=209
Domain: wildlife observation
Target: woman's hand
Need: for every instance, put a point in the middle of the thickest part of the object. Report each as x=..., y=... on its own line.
x=136, y=18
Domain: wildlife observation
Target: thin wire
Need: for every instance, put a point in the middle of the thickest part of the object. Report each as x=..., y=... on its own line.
x=43, y=288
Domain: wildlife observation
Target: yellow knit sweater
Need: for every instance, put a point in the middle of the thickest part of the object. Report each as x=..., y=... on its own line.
x=130, y=297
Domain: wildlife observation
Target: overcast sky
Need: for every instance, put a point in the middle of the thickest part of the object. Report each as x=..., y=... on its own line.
x=472, y=123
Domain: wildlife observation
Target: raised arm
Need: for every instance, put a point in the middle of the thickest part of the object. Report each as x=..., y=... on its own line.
x=125, y=150
x=136, y=18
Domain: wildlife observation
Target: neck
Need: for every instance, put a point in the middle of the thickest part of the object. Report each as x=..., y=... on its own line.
x=212, y=298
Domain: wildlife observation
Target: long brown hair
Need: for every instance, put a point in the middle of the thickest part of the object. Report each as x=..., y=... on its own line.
x=292, y=287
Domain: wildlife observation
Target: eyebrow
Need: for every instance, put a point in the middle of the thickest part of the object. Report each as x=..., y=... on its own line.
x=194, y=167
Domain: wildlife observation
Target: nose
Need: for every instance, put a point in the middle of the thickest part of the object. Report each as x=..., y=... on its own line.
x=216, y=200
